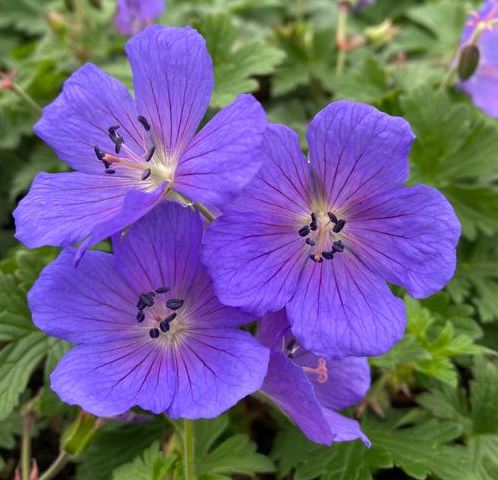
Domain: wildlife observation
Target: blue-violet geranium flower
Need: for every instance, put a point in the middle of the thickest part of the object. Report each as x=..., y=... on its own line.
x=312, y=389
x=130, y=153
x=323, y=237
x=148, y=328
x=132, y=16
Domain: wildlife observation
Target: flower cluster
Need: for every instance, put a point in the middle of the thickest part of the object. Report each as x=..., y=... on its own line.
x=306, y=246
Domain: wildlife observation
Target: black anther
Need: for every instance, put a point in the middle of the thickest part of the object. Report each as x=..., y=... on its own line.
x=175, y=303
x=162, y=290
x=339, y=226
x=150, y=153
x=144, y=122
x=332, y=217
x=310, y=242
x=140, y=316
x=154, y=332
x=328, y=255
x=146, y=174
x=304, y=231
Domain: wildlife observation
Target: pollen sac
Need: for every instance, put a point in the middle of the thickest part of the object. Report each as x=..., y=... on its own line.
x=328, y=255
x=144, y=122
x=339, y=226
x=110, y=171
x=164, y=326
x=119, y=142
x=162, y=290
x=146, y=299
x=150, y=153
x=146, y=174
x=313, y=225
x=291, y=348
x=175, y=303
x=332, y=217
x=310, y=242
x=154, y=332
x=140, y=316
x=468, y=62
x=99, y=153
x=304, y=231
x=312, y=257
x=338, y=246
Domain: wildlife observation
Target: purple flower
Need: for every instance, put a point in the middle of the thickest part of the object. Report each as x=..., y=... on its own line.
x=322, y=238
x=482, y=86
x=130, y=153
x=132, y=16
x=361, y=4
x=148, y=328
x=311, y=389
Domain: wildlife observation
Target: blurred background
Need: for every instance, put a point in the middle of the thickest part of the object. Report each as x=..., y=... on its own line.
x=432, y=411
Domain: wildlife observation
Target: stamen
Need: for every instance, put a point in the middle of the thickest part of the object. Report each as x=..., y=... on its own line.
x=339, y=226
x=100, y=153
x=332, y=217
x=170, y=318
x=119, y=142
x=328, y=255
x=313, y=225
x=144, y=122
x=312, y=256
x=291, y=348
x=110, y=171
x=150, y=153
x=162, y=290
x=321, y=370
x=154, y=332
x=140, y=316
x=146, y=174
x=147, y=299
x=164, y=326
x=304, y=231
x=310, y=242
x=338, y=246
x=175, y=303
x=140, y=304
x=313, y=217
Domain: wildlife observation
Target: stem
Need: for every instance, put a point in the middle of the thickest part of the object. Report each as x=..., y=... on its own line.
x=188, y=450
x=341, y=37
x=21, y=93
x=58, y=464
x=27, y=424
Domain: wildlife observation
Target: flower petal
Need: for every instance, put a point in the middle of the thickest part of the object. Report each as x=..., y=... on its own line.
x=63, y=208
x=344, y=429
x=253, y=252
x=408, y=236
x=357, y=150
x=225, y=155
x=162, y=249
x=78, y=119
x=136, y=204
x=216, y=368
x=341, y=309
x=88, y=304
x=133, y=15
x=173, y=81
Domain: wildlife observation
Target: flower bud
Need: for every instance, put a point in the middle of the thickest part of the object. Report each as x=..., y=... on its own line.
x=468, y=62
x=80, y=433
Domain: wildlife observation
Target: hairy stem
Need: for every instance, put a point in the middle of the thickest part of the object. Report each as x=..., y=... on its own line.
x=27, y=424
x=341, y=37
x=26, y=98
x=189, y=450
x=58, y=464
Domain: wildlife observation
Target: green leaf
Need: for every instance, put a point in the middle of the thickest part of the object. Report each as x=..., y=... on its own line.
x=150, y=465
x=233, y=455
x=235, y=64
x=484, y=395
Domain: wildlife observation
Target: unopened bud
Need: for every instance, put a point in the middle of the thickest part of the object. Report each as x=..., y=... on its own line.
x=468, y=62
x=96, y=3
x=382, y=33
x=80, y=433
x=56, y=21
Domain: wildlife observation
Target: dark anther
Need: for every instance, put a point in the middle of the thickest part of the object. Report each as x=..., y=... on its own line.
x=338, y=246
x=150, y=153
x=332, y=217
x=313, y=217
x=140, y=316
x=145, y=299
x=164, y=326
x=110, y=171
x=162, y=290
x=146, y=174
x=154, y=332
x=144, y=122
x=140, y=305
x=310, y=242
x=313, y=225
x=291, y=348
x=304, y=231
x=170, y=318
x=119, y=142
x=312, y=257
x=112, y=129
x=339, y=226
x=175, y=303
x=328, y=255
x=100, y=153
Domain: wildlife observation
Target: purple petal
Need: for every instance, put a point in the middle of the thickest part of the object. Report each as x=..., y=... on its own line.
x=162, y=250
x=408, y=236
x=357, y=151
x=135, y=204
x=78, y=119
x=63, y=208
x=341, y=309
x=88, y=304
x=225, y=155
x=345, y=429
x=134, y=15
x=253, y=252
x=173, y=81
x=201, y=377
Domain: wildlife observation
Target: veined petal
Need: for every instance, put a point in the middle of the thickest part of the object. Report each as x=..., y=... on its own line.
x=253, y=252
x=408, y=236
x=78, y=119
x=63, y=208
x=341, y=309
x=225, y=155
x=173, y=81
x=88, y=304
x=356, y=151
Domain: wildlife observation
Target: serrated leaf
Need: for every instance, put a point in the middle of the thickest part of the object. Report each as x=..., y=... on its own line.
x=484, y=395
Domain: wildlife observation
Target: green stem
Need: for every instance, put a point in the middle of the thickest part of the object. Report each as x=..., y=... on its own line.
x=188, y=450
x=21, y=93
x=204, y=211
x=58, y=464
x=27, y=424
x=341, y=37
